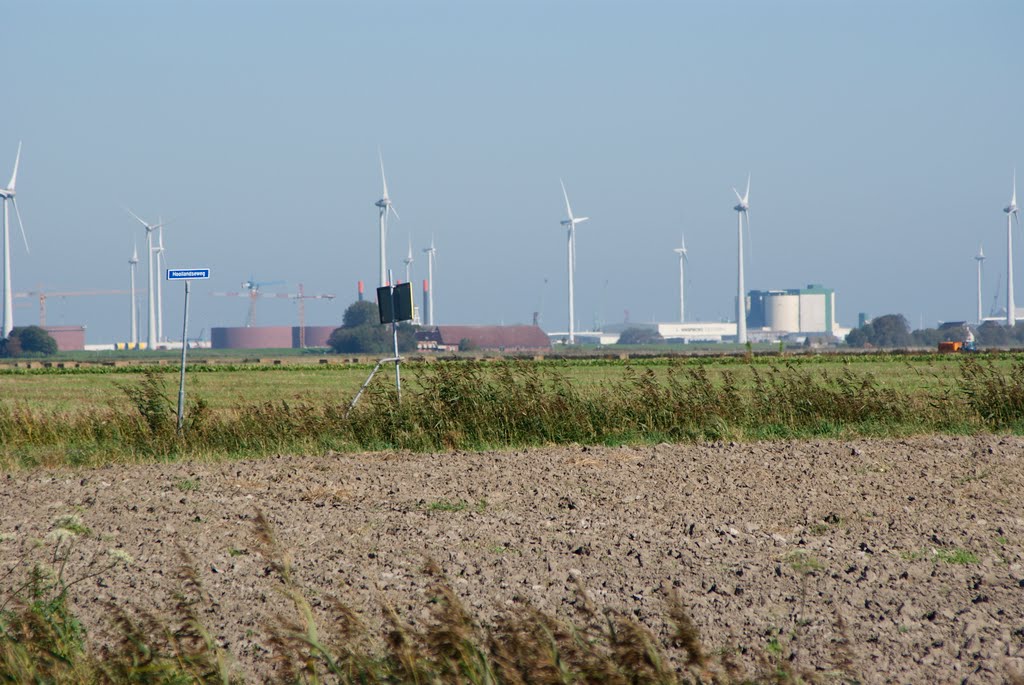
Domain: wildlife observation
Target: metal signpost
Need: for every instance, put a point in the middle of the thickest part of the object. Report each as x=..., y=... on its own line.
x=187, y=275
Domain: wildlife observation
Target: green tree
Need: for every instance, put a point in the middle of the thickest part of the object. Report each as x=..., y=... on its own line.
x=640, y=336
x=28, y=340
x=360, y=333
x=360, y=313
x=859, y=337
x=994, y=334
x=891, y=330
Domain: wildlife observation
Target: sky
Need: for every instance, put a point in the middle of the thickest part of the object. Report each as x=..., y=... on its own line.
x=881, y=138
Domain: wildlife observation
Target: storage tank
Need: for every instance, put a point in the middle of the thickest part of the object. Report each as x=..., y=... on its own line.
x=316, y=336
x=782, y=312
x=250, y=337
x=812, y=313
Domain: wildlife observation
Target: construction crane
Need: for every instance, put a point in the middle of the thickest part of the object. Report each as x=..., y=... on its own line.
x=300, y=299
x=43, y=295
x=252, y=291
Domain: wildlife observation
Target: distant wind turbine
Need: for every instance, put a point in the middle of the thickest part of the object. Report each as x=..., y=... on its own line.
x=151, y=314
x=8, y=194
x=160, y=264
x=431, y=256
x=408, y=263
x=133, y=264
x=1012, y=213
x=681, y=251
x=980, y=258
x=385, y=206
x=570, y=223
x=742, y=210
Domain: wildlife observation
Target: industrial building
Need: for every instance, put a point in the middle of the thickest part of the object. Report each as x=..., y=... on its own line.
x=68, y=338
x=268, y=337
x=690, y=332
x=502, y=338
x=803, y=311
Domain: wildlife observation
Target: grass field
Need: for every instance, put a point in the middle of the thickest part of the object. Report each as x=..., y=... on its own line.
x=94, y=414
x=226, y=385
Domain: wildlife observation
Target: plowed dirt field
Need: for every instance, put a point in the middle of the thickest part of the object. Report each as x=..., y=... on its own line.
x=908, y=552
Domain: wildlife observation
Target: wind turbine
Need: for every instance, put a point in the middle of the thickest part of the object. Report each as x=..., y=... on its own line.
x=1012, y=212
x=980, y=258
x=133, y=264
x=408, y=263
x=160, y=263
x=151, y=323
x=385, y=206
x=431, y=256
x=570, y=223
x=9, y=194
x=681, y=251
x=742, y=210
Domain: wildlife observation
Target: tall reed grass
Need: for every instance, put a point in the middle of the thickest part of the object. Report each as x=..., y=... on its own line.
x=478, y=405
x=41, y=641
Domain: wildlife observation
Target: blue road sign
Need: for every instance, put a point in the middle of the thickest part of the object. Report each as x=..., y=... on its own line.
x=187, y=274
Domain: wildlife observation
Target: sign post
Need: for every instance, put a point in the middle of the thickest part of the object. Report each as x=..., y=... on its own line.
x=187, y=275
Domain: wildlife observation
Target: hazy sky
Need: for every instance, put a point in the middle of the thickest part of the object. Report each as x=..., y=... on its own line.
x=881, y=137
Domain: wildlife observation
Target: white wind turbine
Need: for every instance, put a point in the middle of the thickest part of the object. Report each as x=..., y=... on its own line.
x=408, y=269
x=681, y=251
x=742, y=210
x=385, y=206
x=5, y=195
x=151, y=323
x=431, y=256
x=408, y=263
x=160, y=263
x=133, y=264
x=570, y=223
x=980, y=258
x=1012, y=213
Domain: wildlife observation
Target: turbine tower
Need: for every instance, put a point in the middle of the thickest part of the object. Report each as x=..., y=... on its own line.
x=1012, y=212
x=133, y=264
x=681, y=251
x=431, y=255
x=408, y=274
x=408, y=263
x=980, y=258
x=5, y=195
x=159, y=251
x=151, y=314
x=385, y=206
x=570, y=223
x=742, y=210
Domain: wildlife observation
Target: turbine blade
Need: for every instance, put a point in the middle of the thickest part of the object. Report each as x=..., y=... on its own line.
x=746, y=195
x=383, y=180
x=568, y=209
x=18, y=213
x=14, y=176
x=738, y=196
x=137, y=218
x=391, y=208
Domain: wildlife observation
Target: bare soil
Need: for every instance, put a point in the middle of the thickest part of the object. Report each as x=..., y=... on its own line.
x=905, y=554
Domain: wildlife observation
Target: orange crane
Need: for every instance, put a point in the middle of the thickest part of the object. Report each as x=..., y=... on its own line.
x=43, y=295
